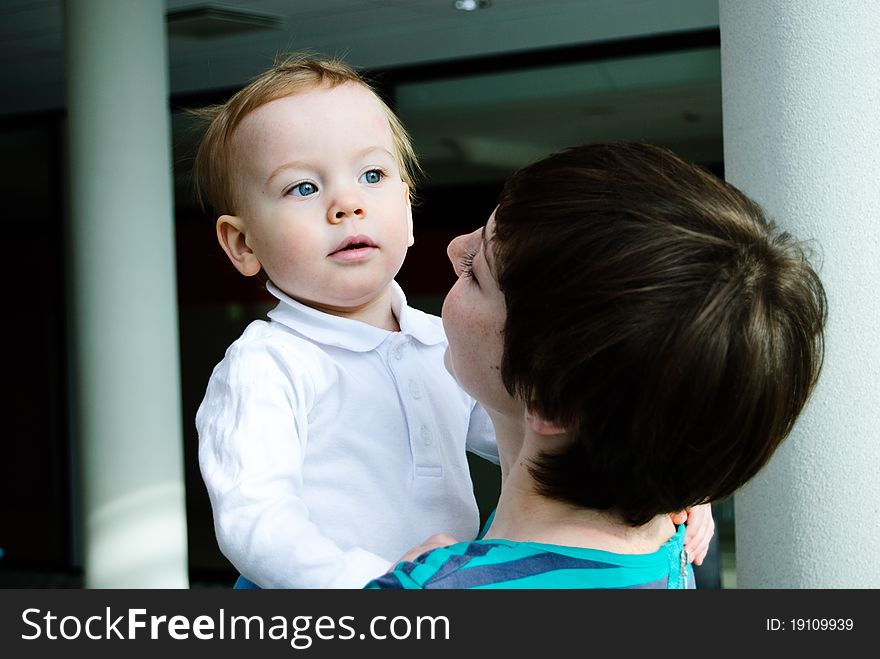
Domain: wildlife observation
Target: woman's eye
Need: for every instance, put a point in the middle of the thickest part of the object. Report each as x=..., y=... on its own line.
x=303, y=189
x=373, y=176
x=466, y=265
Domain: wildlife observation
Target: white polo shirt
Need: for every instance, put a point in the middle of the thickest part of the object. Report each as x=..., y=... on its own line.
x=330, y=447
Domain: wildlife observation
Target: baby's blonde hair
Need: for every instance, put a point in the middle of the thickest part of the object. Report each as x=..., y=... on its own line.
x=294, y=73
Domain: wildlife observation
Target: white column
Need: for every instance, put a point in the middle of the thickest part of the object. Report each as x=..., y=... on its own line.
x=801, y=100
x=124, y=296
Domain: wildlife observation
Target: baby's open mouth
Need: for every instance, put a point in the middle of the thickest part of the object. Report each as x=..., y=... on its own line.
x=352, y=243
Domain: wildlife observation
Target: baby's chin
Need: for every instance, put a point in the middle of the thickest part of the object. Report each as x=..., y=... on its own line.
x=347, y=301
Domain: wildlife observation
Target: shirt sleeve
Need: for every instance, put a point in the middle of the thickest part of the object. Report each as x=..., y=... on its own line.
x=403, y=576
x=429, y=570
x=253, y=431
x=394, y=580
x=481, y=435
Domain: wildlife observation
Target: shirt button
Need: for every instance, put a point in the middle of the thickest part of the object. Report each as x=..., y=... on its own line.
x=414, y=389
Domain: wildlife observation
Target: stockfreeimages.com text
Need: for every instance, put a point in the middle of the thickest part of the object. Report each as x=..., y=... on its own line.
x=300, y=631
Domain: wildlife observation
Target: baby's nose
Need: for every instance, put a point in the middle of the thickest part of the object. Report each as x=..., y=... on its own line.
x=346, y=208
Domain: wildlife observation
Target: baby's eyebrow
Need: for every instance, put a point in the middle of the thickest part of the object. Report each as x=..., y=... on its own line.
x=370, y=149
x=296, y=164
x=302, y=164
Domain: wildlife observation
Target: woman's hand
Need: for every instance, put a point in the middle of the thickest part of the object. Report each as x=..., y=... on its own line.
x=700, y=529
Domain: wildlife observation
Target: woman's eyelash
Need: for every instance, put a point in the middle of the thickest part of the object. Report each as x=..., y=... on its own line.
x=467, y=263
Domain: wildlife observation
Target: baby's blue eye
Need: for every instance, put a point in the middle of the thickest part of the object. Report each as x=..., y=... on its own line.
x=373, y=176
x=303, y=189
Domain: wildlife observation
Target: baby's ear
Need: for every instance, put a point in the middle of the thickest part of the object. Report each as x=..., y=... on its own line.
x=232, y=236
x=541, y=426
x=408, y=202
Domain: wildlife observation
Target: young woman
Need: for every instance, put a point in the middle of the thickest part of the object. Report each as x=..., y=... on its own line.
x=643, y=340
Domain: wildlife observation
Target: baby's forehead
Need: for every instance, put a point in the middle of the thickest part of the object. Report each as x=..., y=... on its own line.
x=308, y=114
x=312, y=123
x=312, y=102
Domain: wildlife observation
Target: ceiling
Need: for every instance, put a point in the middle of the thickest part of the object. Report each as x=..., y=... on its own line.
x=465, y=125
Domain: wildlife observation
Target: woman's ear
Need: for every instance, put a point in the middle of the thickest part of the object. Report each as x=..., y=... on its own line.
x=232, y=236
x=541, y=426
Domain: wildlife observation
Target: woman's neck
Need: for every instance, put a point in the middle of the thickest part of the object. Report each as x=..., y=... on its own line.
x=524, y=515
x=510, y=430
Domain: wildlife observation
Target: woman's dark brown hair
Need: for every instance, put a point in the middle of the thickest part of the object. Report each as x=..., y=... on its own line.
x=656, y=313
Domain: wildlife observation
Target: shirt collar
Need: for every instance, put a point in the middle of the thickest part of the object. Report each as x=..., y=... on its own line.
x=351, y=334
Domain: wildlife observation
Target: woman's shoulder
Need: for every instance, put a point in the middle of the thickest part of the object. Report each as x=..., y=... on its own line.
x=500, y=563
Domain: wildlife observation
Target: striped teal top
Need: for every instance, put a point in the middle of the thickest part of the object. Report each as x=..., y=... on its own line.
x=508, y=564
